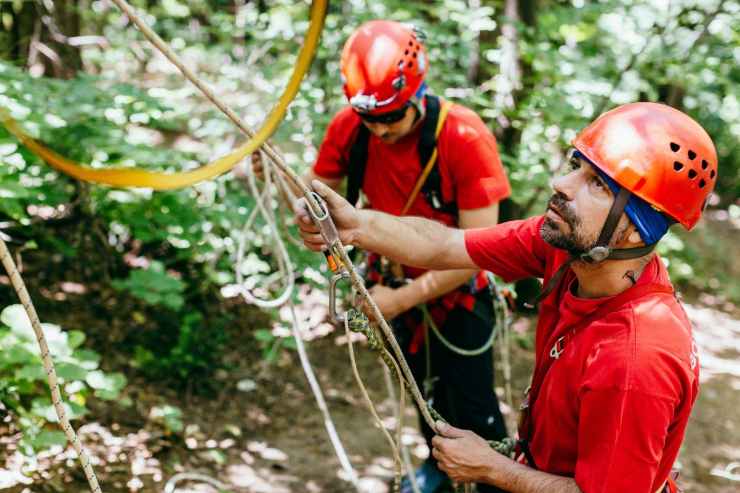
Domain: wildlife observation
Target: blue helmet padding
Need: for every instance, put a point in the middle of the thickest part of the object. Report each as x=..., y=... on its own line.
x=650, y=223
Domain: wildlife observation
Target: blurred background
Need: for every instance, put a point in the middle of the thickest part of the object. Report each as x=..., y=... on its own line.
x=166, y=369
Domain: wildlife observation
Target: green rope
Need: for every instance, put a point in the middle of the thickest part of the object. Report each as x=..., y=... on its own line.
x=456, y=349
x=358, y=322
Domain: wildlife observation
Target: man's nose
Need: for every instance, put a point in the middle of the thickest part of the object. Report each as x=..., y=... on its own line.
x=378, y=128
x=565, y=185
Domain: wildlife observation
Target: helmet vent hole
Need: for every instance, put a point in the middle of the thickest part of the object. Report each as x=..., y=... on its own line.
x=677, y=166
x=704, y=164
x=675, y=147
x=702, y=183
x=414, y=54
x=712, y=174
x=692, y=155
x=692, y=174
x=406, y=52
x=411, y=43
x=409, y=65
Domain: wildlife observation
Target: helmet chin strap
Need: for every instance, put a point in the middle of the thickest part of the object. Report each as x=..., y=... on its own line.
x=601, y=250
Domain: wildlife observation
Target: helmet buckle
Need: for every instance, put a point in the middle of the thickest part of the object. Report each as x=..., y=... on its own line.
x=596, y=254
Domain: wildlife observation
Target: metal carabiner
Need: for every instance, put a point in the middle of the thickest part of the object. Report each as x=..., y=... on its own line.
x=327, y=228
x=335, y=317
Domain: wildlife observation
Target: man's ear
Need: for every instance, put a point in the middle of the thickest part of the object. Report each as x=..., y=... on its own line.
x=629, y=236
x=635, y=237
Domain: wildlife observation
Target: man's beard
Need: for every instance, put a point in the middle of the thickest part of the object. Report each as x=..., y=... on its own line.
x=572, y=242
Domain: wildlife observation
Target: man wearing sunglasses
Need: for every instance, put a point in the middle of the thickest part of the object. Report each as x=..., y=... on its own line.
x=381, y=143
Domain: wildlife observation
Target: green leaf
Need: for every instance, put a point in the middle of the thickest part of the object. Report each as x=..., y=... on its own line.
x=31, y=372
x=263, y=335
x=70, y=372
x=15, y=317
x=75, y=338
x=48, y=438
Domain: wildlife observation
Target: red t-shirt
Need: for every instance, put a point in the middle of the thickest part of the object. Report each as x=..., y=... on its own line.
x=613, y=408
x=469, y=165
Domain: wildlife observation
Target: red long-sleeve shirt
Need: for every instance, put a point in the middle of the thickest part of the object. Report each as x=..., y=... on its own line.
x=613, y=408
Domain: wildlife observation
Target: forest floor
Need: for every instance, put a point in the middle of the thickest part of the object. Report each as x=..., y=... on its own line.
x=260, y=430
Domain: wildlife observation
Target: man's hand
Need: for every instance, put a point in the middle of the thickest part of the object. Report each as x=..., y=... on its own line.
x=257, y=167
x=346, y=218
x=464, y=456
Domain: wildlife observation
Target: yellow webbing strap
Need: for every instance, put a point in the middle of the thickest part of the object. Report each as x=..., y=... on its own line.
x=134, y=177
x=446, y=105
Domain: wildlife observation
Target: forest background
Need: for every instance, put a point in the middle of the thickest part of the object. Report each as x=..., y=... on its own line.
x=166, y=368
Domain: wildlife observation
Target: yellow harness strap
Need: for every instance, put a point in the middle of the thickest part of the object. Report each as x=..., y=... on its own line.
x=446, y=105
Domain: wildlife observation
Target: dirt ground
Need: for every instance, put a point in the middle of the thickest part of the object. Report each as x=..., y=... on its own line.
x=262, y=432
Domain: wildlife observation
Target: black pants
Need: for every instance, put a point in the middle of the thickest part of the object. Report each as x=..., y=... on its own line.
x=463, y=385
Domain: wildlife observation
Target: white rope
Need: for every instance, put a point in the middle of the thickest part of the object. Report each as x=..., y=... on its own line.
x=171, y=487
x=398, y=411
x=728, y=472
x=369, y=401
x=286, y=267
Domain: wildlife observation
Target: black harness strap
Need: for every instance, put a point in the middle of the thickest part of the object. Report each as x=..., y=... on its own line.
x=357, y=164
x=432, y=187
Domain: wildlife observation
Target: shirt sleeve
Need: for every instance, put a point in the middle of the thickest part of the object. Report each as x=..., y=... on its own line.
x=621, y=437
x=474, y=163
x=512, y=250
x=332, y=161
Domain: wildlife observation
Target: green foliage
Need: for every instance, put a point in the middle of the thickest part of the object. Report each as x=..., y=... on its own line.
x=170, y=417
x=154, y=286
x=185, y=348
x=23, y=385
x=272, y=344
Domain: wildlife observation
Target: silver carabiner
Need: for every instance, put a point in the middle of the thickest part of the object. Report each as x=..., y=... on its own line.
x=335, y=317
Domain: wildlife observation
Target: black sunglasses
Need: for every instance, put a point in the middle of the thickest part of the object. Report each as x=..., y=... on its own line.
x=387, y=118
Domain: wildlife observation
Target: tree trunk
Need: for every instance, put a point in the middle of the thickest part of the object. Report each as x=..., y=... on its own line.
x=37, y=35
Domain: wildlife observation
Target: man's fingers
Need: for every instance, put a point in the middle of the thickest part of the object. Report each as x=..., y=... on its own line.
x=437, y=441
x=438, y=455
x=449, y=431
x=325, y=191
x=301, y=213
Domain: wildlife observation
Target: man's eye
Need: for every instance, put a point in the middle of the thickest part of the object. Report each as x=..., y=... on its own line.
x=599, y=182
x=574, y=164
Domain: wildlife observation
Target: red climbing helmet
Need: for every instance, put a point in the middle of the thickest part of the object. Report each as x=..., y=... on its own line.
x=656, y=152
x=383, y=66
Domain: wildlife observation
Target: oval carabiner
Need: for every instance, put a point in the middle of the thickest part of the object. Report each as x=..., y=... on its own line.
x=335, y=317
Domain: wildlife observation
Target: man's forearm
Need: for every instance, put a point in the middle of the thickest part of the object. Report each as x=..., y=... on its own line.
x=433, y=284
x=518, y=478
x=411, y=241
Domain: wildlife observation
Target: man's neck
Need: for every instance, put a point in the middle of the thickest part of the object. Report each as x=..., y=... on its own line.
x=608, y=278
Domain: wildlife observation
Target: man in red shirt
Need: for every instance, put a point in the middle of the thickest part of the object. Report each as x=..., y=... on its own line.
x=616, y=370
x=375, y=143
